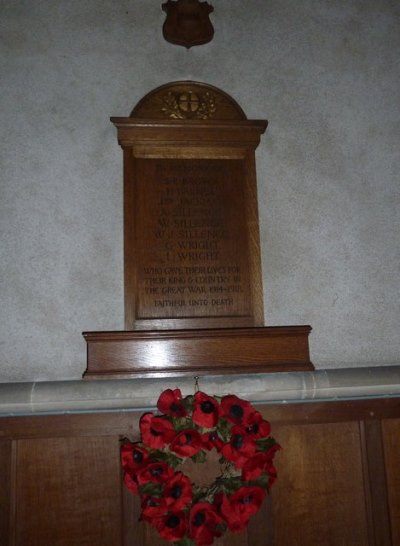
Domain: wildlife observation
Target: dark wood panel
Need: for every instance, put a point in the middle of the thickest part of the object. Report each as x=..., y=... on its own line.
x=260, y=530
x=133, y=531
x=391, y=442
x=5, y=491
x=318, y=498
x=331, y=411
x=375, y=486
x=68, y=492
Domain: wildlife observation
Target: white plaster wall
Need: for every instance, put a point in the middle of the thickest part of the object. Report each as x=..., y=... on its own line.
x=325, y=73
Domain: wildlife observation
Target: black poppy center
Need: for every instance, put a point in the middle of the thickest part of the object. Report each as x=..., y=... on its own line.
x=199, y=519
x=157, y=471
x=247, y=500
x=155, y=432
x=176, y=492
x=207, y=406
x=137, y=456
x=237, y=441
x=172, y=522
x=253, y=429
x=188, y=438
x=175, y=407
x=236, y=411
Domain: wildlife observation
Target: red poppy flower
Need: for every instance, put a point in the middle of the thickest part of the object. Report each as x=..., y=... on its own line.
x=211, y=440
x=269, y=467
x=153, y=507
x=240, y=448
x=155, y=472
x=186, y=443
x=256, y=426
x=131, y=482
x=259, y=464
x=239, y=507
x=230, y=516
x=235, y=409
x=204, y=523
x=247, y=500
x=254, y=467
x=178, y=492
x=170, y=403
x=206, y=410
x=133, y=457
x=172, y=526
x=156, y=431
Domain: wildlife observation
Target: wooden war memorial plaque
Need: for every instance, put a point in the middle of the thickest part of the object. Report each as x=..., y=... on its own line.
x=192, y=251
x=192, y=267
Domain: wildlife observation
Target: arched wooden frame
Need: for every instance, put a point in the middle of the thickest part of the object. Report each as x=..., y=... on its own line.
x=191, y=233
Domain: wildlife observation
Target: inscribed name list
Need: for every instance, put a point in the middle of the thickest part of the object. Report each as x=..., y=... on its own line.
x=192, y=239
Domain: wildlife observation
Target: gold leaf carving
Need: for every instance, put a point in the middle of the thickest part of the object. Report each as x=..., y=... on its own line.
x=189, y=105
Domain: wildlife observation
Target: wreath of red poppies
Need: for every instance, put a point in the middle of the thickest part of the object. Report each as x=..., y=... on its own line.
x=184, y=513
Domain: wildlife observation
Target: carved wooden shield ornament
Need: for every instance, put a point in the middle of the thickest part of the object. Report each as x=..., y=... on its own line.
x=188, y=22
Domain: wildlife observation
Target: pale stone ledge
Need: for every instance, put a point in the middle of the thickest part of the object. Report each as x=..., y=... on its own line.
x=111, y=395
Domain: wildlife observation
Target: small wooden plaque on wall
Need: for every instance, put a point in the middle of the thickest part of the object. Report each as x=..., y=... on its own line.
x=192, y=250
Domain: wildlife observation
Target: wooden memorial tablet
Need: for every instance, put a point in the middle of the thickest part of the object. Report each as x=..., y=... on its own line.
x=193, y=284
x=192, y=250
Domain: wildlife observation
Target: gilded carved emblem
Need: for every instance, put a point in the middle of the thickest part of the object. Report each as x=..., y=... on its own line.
x=189, y=105
x=188, y=22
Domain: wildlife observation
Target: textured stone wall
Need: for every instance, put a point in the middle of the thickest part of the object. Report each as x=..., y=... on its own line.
x=326, y=75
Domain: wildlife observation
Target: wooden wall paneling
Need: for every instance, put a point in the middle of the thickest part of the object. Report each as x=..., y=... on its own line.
x=69, y=487
x=5, y=491
x=235, y=539
x=133, y=531
x=73, y=425
x=260, y=529
x=391, y=444
x=375, y=483
x=300, y=413
x=68, y=492
x=318, y=498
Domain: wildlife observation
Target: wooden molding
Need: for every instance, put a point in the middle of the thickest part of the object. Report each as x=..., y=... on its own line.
x=197, y=352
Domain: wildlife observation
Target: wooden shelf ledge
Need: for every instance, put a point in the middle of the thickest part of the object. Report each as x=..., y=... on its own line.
x=168, y=353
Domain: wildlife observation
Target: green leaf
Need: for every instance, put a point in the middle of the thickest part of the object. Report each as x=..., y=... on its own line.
x=261, y=481
x=150, y=488
x=264, y=444
x=167, y=457
x=183, y=423
x=188, y=402
x=224, y=430
x=185, y=542
x=229, y=485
